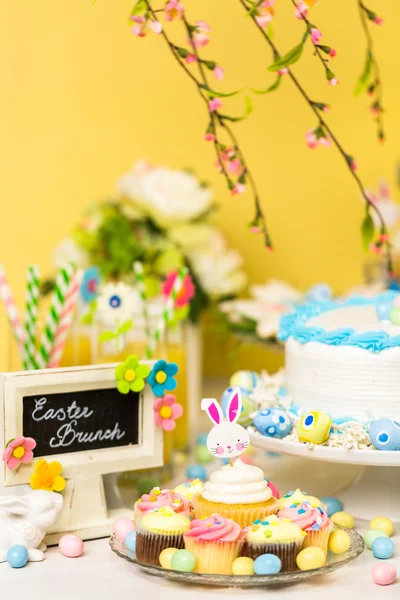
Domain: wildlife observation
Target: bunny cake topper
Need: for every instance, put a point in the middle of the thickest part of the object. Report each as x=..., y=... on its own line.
x=227, y=439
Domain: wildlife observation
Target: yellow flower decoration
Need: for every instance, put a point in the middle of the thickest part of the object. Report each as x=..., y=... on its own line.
x=47, y=476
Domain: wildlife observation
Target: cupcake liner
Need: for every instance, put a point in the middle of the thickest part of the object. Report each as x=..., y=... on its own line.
x=318, y=538
x=286, y=552
x=243, y=514
x=213, y=557
x=150, y=545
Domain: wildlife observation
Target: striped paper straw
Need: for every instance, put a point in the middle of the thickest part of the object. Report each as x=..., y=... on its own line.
x=168, y=311
x=62, y=284
x=31, y=313
x=66, y=317
x=11, y=309
x=138, y=270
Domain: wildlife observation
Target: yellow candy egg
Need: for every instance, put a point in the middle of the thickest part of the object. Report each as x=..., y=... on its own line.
x=166, y=557
x=382, y=524
x=310, y=558
x=314, y=427
x=339, y=541
x=344, y=519
x=243, y=566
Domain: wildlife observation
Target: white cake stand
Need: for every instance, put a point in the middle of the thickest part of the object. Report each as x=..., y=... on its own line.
x=368, y=482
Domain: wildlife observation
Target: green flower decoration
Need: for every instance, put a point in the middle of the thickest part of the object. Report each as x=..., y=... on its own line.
x=131, y=375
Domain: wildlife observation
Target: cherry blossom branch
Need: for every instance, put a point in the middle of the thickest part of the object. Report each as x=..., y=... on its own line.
x=368, y=226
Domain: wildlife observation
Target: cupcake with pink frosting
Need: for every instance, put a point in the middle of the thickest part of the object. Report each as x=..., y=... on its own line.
x=216, y=542
x=312, y=520
x=160, y=498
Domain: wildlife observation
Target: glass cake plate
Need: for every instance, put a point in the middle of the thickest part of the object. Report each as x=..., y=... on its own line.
x=333, y=562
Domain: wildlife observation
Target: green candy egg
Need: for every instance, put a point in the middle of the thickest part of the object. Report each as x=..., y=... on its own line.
x=395, y=315
x=371, y=535
x=183, y=560
x=249, y=407
x=203, y=455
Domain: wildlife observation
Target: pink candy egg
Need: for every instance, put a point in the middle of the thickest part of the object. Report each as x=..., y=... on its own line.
x=71, y=546
x=396, y=301
x=122, y=527
x=384, y=573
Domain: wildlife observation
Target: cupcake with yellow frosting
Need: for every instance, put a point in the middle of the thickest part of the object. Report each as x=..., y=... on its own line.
x=189, y=489
x=158, y=498
x=298, y=497
x=274, y=536
x=237, y=492
x=312, y=520
x=215, y=542
x=157, y=530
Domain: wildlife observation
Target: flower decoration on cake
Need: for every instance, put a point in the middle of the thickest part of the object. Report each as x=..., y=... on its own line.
x=90, y=284
x=47, y=476
x=166, y=411
x=131, y=375
x=115, y=303
x=187, y=291
x=162, y=377
x=19, y=451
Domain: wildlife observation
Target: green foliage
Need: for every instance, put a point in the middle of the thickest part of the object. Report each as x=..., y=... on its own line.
x=289, y=58
x=125, y=327
x=210, y=64
x=107, y=336
x=271, y=88
x=367, y=231
x=362, y=83
x=183, y=52
x=214, y=94
x=139, y=8
x=248, y=108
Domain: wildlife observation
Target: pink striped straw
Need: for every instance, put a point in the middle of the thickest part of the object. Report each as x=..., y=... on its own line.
x=11, y=309
x=65, y=320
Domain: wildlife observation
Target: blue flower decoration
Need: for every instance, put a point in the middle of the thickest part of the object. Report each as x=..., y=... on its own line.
x=162, y=377
x=90, y=284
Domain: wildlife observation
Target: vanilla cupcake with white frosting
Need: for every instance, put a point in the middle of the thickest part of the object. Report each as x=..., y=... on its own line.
x=239, y=492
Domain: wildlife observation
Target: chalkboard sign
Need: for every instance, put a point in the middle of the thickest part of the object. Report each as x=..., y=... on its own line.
x=85, y=420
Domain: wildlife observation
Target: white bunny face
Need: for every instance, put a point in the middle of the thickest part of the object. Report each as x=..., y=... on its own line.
x=226, y=439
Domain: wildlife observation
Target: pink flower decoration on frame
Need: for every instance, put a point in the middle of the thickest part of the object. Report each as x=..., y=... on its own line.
x=185, y=295
x=166, y=411
x=19, y=451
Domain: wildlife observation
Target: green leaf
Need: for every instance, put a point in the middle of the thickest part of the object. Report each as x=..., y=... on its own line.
x=125, y=327
x=107, y=336
x=214, y=94
x=287, y=59
x=139, y=8
x=87, y=319
x=183, y=53
x=362, y=83
x=248, y=108
x=325, y=49
x=367, y=231
x=271, y=88
x=210, y=64
x=253, y=9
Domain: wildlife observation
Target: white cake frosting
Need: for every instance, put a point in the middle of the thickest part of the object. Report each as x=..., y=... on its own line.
x=239, y=484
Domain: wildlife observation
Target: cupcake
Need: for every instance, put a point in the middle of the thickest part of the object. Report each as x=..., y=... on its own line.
x=298, y=497
x=216, y=542
x=239, y=493
x=157, y=530
x=313, y=521
x=159, y=498
x=189, y=489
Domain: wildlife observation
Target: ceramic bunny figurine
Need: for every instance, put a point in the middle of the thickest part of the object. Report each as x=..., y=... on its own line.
x=24, y=520
x=226, y=439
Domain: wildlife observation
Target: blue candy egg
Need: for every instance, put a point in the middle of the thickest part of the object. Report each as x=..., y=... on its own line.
x=383, y=310
x=267, y=564
x=244, y=379
x=130, y=541
x=201, y=439
x=319, y=292
x=196, y=472
x=249, y=406
x=385, y=434
x=382, y=547
x=273, y=422
x=333, y=505
x=17, y=556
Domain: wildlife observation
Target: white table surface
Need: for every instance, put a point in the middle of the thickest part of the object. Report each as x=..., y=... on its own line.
x=100, y=574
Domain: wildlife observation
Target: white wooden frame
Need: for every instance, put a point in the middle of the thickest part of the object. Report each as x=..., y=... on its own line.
x=85, y=510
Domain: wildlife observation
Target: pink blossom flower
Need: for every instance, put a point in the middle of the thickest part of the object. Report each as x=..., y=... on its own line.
x=333, y=81
x=155, y=26
x=378, y=20
x=19, y=450
x=173, y=9
x=218, y=72
x=316, y=35
x=255, y=229
x=283, y=71
x=214, y=104
x=234, y=166
x=332, y=52
x=313, y=140
x=238, y=189
x=191, y=58
x=265, y=13
x=301, y=9
x=209, y=137
x=187, y=291
x=166, y=411
x=141, y=24
x=326, y=108
x=200, y=35
x=353, y=165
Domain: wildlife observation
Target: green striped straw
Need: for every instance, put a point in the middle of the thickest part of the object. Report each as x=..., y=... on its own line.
x=62, y=284
x=139, y=276
x=168, y=311
x=31, y=313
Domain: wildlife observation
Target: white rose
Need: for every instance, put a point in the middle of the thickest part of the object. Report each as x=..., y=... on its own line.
x=167, y=196
x=68, y=252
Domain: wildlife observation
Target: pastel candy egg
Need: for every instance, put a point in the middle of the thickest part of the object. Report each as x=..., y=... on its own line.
x=383, y=310
x=166, y=557
x=314, y=427
x=267, y=564
x=339, y=541
x=344, y=519
x=196, y=472
x=130, y=541
x=202, y=454
x=249, y=405
x=382, y=524
x=382, y=547
x=371, y=535
x=122, y=527
x=244, y=379
x=385, y=434
x=71, y=546
x=273, y=422
x=332, y=504
x=384, y=573
x=17, y=556
x=319, y=292
x=243, y=566
x=310, y=558
x=183, y=560
x=395, y=315
x=396, y=301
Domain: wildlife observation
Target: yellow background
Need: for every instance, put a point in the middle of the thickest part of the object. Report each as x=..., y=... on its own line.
x=82, y=99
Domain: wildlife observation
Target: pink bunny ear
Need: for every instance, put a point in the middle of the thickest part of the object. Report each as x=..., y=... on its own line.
x=213, y=409
x=234, y=406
